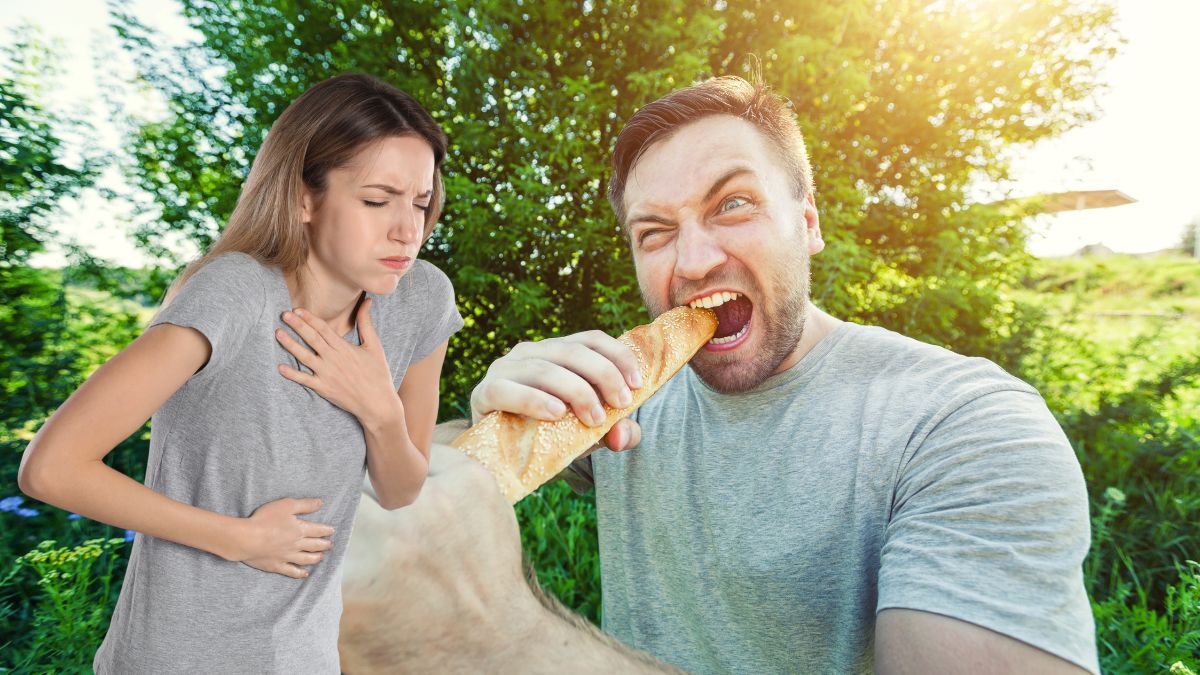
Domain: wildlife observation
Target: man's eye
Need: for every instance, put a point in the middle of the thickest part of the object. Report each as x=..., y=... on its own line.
x=648, y=233
x=732, y=203
x=374, y=205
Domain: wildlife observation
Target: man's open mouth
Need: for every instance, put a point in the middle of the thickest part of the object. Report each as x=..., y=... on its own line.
x=733, y=311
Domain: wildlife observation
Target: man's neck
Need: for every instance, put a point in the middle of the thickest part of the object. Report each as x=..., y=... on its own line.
x=817, y=324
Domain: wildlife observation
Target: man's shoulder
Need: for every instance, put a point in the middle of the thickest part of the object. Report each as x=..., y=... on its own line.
x=883, y=356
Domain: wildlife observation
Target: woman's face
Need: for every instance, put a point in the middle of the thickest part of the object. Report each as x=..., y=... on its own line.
x=373, y=210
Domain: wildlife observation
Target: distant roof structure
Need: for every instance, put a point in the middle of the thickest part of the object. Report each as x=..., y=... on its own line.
x=1080, y=200
x=1075, y=200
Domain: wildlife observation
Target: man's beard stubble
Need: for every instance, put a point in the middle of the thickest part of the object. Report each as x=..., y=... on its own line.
x=779, y=327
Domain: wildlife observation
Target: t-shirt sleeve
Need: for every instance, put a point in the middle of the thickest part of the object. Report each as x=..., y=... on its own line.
x=441, y=310
x=222, y=300
x=989, y=525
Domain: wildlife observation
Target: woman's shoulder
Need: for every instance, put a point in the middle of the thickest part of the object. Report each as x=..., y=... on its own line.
x=238, y=262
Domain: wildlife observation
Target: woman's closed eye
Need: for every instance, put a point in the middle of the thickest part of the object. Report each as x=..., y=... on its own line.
x=374, y=204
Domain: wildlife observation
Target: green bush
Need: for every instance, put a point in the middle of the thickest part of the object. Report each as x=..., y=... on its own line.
x=69, y=614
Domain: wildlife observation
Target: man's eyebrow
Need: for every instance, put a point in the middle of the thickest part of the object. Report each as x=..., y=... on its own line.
x=647, y=218
x=712, y=191
x=725, y=178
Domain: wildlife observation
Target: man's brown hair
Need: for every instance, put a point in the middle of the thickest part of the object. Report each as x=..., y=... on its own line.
x=728, y=95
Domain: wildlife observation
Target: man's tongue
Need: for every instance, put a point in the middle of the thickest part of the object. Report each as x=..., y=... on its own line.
x=732, y=315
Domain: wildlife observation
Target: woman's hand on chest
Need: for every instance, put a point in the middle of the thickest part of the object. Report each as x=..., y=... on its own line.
x=355, y=378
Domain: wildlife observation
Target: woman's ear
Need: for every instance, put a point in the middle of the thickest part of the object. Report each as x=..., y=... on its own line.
x=308, y=205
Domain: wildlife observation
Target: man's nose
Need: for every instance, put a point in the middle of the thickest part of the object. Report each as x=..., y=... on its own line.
x=697, y=252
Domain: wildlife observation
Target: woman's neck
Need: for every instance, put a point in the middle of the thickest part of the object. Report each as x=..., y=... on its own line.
x=324, y=296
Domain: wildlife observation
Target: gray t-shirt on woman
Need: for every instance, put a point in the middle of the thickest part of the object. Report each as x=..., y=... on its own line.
x=762, y=532
x=236, y=436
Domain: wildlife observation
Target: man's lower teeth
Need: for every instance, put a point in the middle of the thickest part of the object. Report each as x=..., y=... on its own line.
x=730, y=338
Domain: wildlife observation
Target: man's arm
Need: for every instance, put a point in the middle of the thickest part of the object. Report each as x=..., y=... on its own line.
x=912, y=642
x=438, y=586
x=981, y=565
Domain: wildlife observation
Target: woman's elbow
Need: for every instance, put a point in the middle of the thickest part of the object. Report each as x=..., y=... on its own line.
x=402, y=495
x=30, y=479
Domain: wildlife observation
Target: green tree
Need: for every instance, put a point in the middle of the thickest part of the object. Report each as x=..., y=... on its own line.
x=906, y=107
x=36, y=176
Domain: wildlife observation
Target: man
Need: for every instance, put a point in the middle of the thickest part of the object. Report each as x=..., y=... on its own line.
x=809, y=495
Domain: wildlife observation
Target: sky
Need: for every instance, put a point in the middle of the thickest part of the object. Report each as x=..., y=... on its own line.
x=1146, y=142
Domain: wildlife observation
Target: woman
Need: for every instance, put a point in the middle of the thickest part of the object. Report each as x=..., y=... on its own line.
x=286, y=362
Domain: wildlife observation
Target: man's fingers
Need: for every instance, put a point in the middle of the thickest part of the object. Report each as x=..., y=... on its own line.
x=536, y=387
x=593, y=366
x=616, y=351
x=515, y=397
x=624, y=435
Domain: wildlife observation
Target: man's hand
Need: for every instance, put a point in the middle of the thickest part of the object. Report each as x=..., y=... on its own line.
x=542, y=379
x=438, y=586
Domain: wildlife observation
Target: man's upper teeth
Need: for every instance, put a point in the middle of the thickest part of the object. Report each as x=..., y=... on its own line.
x=714, y=300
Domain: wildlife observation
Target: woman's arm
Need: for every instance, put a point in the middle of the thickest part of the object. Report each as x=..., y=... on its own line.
x=63, y=464
x=398, y=443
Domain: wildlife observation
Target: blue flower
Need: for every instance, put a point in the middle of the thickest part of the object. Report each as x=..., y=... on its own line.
x=74, y=516
x=129, y=535
x=26, y=513
x=11, y=503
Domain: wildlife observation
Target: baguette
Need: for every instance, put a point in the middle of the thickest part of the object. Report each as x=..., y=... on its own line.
x=522, y=453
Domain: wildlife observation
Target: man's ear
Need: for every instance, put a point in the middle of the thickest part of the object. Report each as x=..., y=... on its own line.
x=812, y=222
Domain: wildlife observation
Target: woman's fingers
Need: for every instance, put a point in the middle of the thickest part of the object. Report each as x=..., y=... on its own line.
x=311, y=336
x=315, y=544
x=311, y=529
x=305, y=557
x=293, y=571
x=303, y=354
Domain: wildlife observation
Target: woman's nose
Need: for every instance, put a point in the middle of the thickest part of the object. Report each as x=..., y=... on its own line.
x=409, y=228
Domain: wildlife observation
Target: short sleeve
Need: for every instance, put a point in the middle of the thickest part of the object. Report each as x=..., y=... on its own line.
x=222, y=300
x=989, y=525
x=440, y=306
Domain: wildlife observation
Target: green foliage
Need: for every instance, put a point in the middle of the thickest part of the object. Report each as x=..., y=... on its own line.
x=904, y=106
x=558, y=531
x=71, y=610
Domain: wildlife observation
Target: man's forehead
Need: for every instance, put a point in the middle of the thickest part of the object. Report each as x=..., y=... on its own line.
x=695, y=156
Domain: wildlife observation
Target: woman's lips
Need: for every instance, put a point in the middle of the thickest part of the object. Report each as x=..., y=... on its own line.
x=397, y=264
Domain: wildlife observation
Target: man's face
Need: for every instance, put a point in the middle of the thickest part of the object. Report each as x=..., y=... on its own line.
x=711, y=210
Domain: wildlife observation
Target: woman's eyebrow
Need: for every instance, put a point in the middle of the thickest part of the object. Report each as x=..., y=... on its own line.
x=386, y=188
x=391, y=190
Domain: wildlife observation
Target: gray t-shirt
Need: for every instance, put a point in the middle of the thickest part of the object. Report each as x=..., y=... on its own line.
x=236, y=436
x=762, y=532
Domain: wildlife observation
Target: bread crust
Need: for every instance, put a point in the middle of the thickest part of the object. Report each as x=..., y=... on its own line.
x=522, y=453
